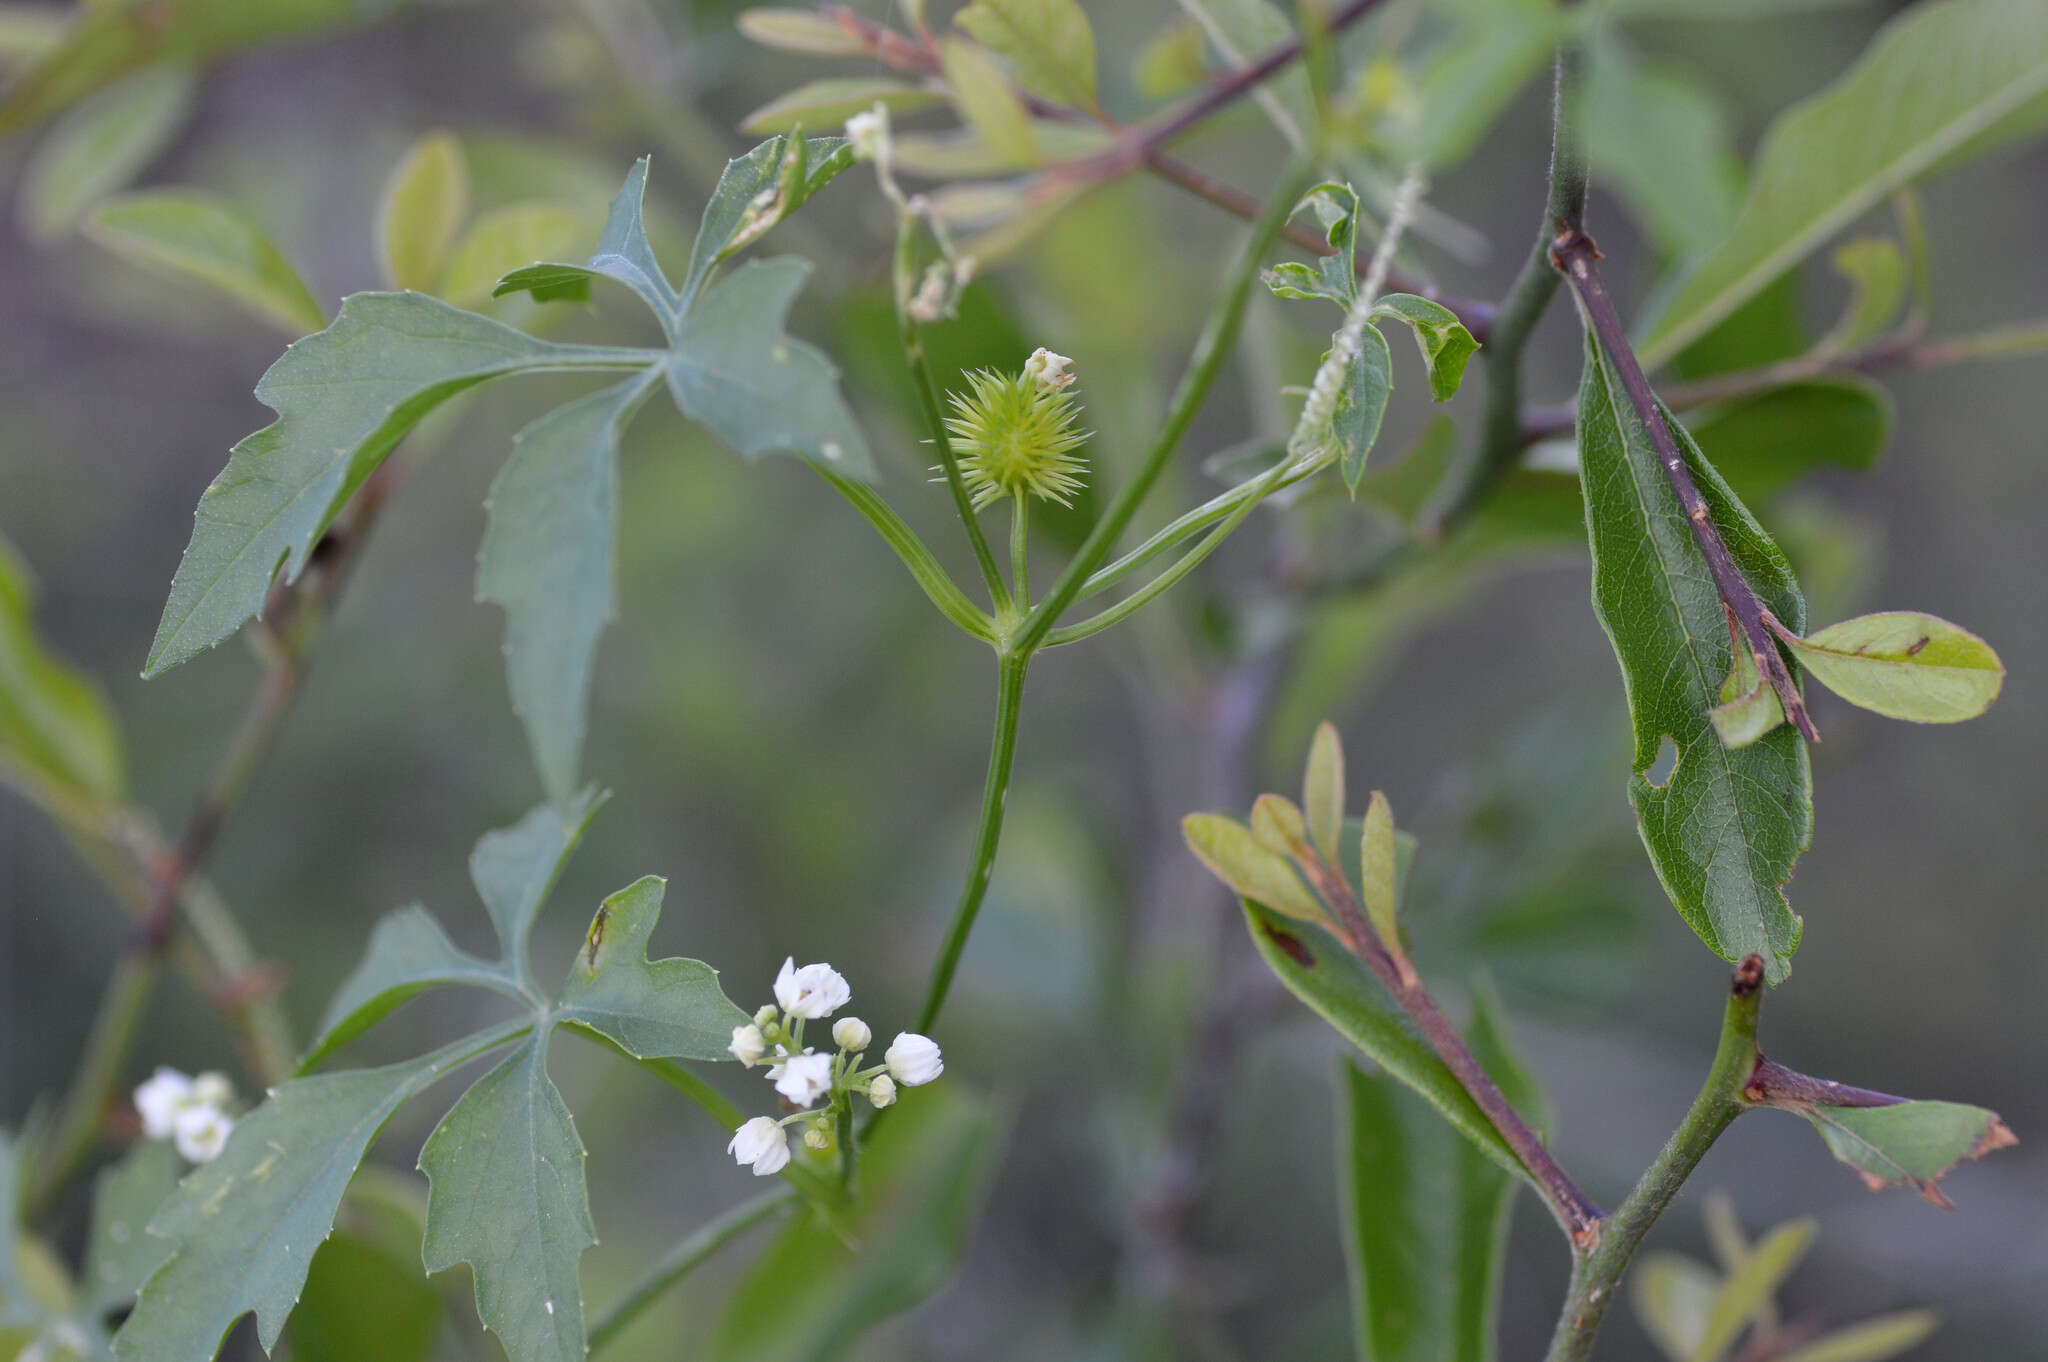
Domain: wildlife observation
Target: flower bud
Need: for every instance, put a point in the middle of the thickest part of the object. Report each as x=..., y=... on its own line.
x=159, y=1100
x=817, y=1137
x=869, y=133
x=212, y=1089
x=1048, y=370
x=762, y=1143
x=748, y=1045
x=914, y=1059
x=811, y=992
x=202, y=1132
x=851, y=1033
x=881, y=1090
x=804, y=1078
x=767, y=1016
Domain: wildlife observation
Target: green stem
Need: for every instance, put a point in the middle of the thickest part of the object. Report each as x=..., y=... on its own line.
x=672, y=1266
x=938, y=586
x=1217, y=508
x=1020, y=558
x=1597, y=1277
x=988, y=833
x=77, y=1132
x=1212, y=350
x=934, y=416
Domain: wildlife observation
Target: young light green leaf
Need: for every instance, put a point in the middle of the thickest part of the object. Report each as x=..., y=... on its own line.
x=960, y=153
x=504, y=240
x=1724, y=830
x=423, y=205
x=506, y=1195
x=1277, y=825
x=1333, y=276
x=100, y=147
x=1171, y=62
x=1872, y=1340
x=203, y=236
x=1338, y=987
x=1322, y=791
x=408, y=954
x=1443, y=340
x=986, y=102
x=1378, y=875
x=1235, y=856
x=1664, y=146
x=652, y=1009
x=243, y=1228
x=1749, y=708
x=1909, y=1143
x=1747, y=1291
x=1049, y=41
x=793, y=30
x=1905, y=665
x=119, y=1254
x=736, y=371
x=59, y=741
x=344, y=399
x=551, y=519
x=1938, y=82
x=514, y=869
x=829, y=103
x=1876, y=270
x=1673, y=1295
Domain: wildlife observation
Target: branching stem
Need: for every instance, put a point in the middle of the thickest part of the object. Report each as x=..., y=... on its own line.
x=672, y=1266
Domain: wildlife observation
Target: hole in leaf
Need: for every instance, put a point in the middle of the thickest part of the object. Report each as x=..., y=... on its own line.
x=1660, y=770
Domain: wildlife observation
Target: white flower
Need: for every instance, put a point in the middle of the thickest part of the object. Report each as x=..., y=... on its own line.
x=762, y=1143
x=804, y=1078
x=160, y=1099
x=748, y=1044
x=1048, y=370
x=851, y=1033
x=212, y=1089
x=201, y=1132
x=811, y=992
x=869, y=133
x=881, y=1090
x=914, y=1059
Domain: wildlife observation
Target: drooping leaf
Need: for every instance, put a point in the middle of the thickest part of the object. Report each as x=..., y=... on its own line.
x=120, y=1254
x=422, y=207
x=1322, y=790
x=408, y=954
x=652, y=1009
x=1337, y=986
x=1909, y=1143
x=202, y=236
x=362, y=1301
x=1724, y=829
x=1906, y=665
x=59, y=742
x=547, y=553
x=504, y=240
x=1443, y=340
x=506, y=1195
x=986, y=102
x=1235, y=856
x=1663, y=144
x=514, y=869
x=794, y=30
x=1938, y=82
x=100, y=147
x=243, y=1228
x=1049, y=41
x=829, y=103
x=344, y=398
x=1876, y=270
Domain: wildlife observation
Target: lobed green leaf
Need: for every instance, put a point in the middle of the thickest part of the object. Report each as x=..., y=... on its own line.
x=514, y=869
x=1443, y=340
x=408, y=954
x=120, y=1255
x=651, y=1009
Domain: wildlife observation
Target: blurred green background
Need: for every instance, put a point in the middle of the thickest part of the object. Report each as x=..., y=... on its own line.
x=796, y=741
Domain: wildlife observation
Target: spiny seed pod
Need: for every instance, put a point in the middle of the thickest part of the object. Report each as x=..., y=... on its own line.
x=1015, y=435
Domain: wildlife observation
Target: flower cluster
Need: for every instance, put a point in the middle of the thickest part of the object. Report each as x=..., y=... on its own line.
x=805, y=1078
x=192, y=1112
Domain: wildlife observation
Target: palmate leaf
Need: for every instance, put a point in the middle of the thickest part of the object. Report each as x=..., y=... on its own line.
x=653, y=1009
x=1725, y=828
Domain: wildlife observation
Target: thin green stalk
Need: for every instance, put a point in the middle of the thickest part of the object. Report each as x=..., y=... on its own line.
x=1192, y=522
x=934, y=416
x=76, y=1136
x=988, y=833
x=938, y=586
x=1020, y=558
x=1597, y=1277
x=1212, y=350
x=672, y=1266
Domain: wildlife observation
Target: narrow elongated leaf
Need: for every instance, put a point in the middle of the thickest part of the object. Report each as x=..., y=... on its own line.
x=506, y=1196
x=1663, y=144
x=1872, y=1340
x=1747, y=1291
x=423, y=205
x=551, y=519
x=1378, y=883
x=987, y=103
x=1724, y=830
x=734, y=369
x=1909, y=1143
x=1322, y=790
x=120, y=1254
x=1049, y=41
x=515, y=868
x=794, y=30
x=653, y=1009
x=59, y=741
x=1673, y=1296
x=100, y=147
x=203, y=236
x=1443, y=340
x=344, y=399
x=1234, y=855
x=244, y=1227
x=829, y=103
x=408, y=954
x=1337, y=986
x=1906, y=665
x=1939, y=81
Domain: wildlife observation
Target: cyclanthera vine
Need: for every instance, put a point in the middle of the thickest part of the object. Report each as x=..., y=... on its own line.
x=878, y=1170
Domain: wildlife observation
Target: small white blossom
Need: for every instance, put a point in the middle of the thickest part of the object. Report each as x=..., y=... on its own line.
x=201, y=1132
x=762, y=1143
x=868, y=130
x=804, y=1078
x=160, y=1099
x=881, y=1090
x=851, y=1033
x=914, y=1059
x=1048, y=370
x=748, y=1044
x=811, y=992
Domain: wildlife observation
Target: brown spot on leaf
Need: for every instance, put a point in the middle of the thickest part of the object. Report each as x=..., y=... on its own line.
x=1918, y=644
x=596, y=938
x=1292, y=944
